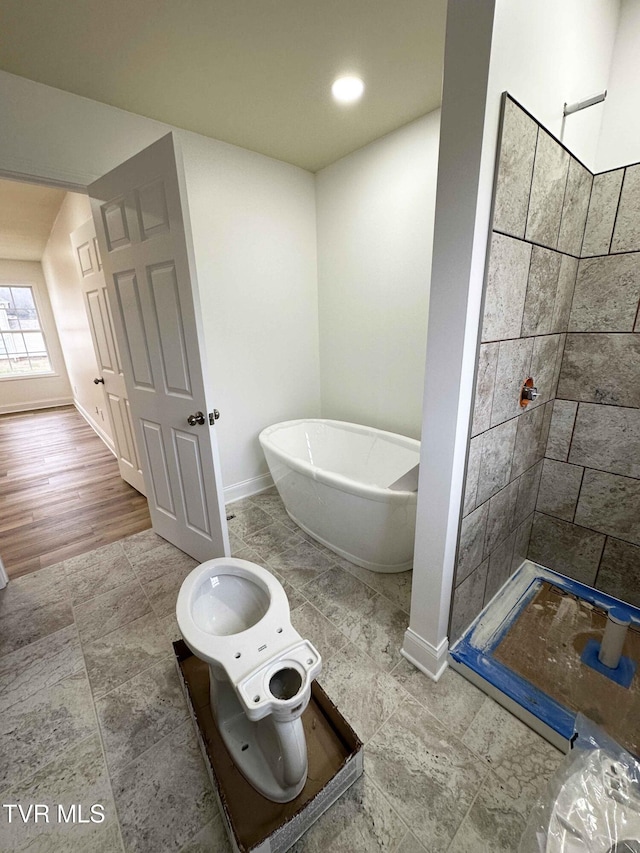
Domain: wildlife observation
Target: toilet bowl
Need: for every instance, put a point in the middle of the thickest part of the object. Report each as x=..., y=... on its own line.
x=235, y=616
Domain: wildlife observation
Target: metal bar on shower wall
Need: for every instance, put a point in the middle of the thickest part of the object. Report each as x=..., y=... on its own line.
x=582, y=105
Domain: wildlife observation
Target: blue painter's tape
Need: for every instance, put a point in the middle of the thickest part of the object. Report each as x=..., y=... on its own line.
x=622, y=674
x=526, y=694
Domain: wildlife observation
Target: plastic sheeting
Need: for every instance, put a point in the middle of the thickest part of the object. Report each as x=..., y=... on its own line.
x=592, y=804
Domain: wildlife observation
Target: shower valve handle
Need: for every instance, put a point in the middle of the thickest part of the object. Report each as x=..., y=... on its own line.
x=530, y=393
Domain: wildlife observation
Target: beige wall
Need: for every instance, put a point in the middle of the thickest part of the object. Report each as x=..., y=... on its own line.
x=65, y=290
x=21, y=394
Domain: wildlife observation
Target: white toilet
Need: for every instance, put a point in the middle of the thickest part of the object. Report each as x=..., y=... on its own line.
x=235, y=616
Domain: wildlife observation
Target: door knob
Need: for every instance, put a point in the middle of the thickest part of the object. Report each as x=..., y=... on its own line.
x=198, y=418
x=98, y=381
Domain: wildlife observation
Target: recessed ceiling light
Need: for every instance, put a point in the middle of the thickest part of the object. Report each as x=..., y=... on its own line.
x=347, y=89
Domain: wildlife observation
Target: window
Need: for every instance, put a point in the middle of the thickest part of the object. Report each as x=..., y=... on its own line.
x=23, y=350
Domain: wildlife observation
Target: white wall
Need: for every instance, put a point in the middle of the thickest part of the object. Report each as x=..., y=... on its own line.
x=375, y=211
x=65, y=289
x=619, y=142
x=254, y=230
x=252, y=299
x=33, y=392
x=547, y=53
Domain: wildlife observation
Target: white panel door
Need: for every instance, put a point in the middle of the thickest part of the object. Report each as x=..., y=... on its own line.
x=96, y=303
x=144, y=236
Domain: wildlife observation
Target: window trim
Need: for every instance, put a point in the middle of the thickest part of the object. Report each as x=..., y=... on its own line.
x=42, y=374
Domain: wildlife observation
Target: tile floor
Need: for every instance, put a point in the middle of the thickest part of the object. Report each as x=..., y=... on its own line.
x=91, y=710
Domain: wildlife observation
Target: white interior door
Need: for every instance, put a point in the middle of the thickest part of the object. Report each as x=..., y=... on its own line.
x=141, y=220
x=96, y=303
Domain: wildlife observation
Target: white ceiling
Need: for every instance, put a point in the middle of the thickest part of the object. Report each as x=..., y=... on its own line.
x=256, y=73
x=27, y=214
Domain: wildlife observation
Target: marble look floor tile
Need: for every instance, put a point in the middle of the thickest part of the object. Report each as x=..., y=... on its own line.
x=140, y=543
x=396, y=586
x=378, y=628
x=522, y=761
x=338, y=594
x=40, y=728
x=243, y=552
x=111, y=610
x=453, y=700
x=248, y=518
x=271, y=503
x=32, y=607
x=427, y=774
x=160, y=561
x=548, y=186
x=163, y=591
x=313, y=626
x=603, y=207
x=139, y=713
x=410, y=844
x=170, y=625
x=77, y=777
x=361, y=821
x=164, y=796
x=40, y=664
x=294, y=596
x=99, y=571
x=273, y=540
x=365, y=694
x=517, y=152
x=212, y=838
x=115, y=658
x=495, y=821
x=301, y=563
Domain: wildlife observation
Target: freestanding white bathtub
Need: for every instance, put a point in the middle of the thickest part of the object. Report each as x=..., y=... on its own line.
x=334, y=479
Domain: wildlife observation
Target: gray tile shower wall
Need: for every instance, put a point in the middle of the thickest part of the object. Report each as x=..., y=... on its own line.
x=587, y=520
x=559, y=481
x=540, y=211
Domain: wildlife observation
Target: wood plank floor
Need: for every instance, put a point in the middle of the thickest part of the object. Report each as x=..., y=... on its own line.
x=61, y=493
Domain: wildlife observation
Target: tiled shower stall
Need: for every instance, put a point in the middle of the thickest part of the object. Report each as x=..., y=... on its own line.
x=559, y=481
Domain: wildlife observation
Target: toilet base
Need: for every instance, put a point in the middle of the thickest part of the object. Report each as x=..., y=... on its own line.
x=257, y=747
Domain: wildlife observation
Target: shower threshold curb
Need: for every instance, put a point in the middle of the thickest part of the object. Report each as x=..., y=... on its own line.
x=472, y=655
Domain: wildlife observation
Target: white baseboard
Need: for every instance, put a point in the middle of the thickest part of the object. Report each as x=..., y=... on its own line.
x=11, y=408
x=95, y=426
x=427, y=658
x=247, y=488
